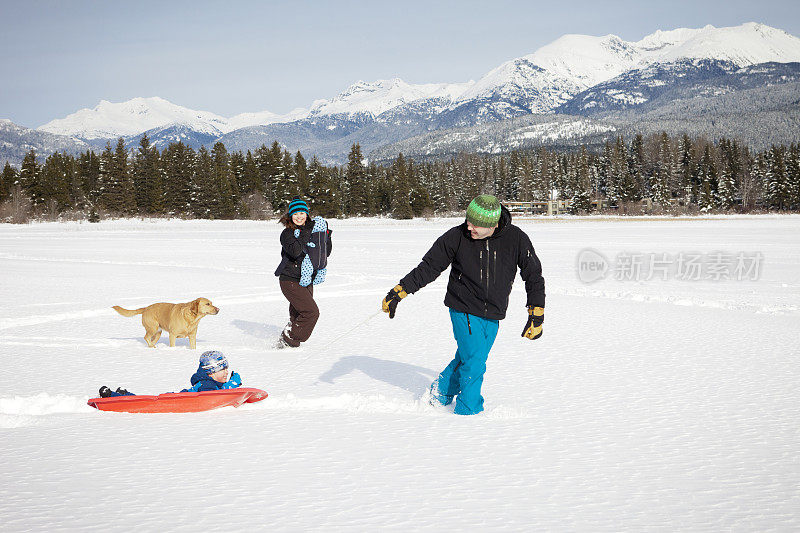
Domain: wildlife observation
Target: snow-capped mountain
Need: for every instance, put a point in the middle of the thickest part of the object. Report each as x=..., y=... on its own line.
x=156, y=115
x=641, y=85
x=16, y=141
x=748, y=44
x=163, y=136
x=555, y=73
x=163, y=121
x=110, y=120
x=575, y=74
x=378, y=97
x=658, y=84
x=245, y=120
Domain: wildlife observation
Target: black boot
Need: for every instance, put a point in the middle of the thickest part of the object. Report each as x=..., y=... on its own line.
x=105, y=392
x=122, y=392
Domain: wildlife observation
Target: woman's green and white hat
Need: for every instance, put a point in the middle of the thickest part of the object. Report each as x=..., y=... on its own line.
x=484, y=211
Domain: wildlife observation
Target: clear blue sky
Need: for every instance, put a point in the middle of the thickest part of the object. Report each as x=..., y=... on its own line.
x=230, y=57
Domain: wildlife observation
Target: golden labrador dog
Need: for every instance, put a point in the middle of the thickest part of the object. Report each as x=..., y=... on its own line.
x=179, y=320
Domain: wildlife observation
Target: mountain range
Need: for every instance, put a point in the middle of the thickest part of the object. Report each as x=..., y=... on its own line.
x=737, y=81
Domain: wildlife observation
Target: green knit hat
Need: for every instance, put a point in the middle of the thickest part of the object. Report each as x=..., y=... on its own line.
x=484, y=211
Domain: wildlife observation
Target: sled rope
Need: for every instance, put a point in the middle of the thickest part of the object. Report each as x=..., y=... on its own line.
x=331, y=343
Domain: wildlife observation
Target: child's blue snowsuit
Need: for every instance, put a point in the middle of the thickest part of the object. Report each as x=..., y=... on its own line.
x=201, y=381
x=463, y=377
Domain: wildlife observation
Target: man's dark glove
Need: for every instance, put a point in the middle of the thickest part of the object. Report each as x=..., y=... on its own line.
x=533, y=329
x=393, y=297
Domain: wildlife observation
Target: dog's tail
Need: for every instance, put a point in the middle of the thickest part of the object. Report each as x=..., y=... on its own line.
x=128, y=312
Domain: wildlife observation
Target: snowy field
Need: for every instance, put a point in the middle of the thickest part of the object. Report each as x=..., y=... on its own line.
x=662, y=404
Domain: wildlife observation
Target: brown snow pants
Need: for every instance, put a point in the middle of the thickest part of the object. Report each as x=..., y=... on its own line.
x=303, y=312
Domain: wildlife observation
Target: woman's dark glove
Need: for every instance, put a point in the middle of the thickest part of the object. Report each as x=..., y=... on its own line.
x=305, y=235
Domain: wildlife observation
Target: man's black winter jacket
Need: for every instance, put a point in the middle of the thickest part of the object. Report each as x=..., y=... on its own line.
x=483, y=271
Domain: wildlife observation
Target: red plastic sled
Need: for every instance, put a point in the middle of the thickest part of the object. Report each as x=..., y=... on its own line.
x=179, y=402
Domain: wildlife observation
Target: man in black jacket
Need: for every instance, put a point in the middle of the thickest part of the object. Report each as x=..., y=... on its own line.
x=485, y=252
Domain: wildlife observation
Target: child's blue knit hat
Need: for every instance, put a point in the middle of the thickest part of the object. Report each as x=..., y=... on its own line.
x=297, y=205
x=213, y=361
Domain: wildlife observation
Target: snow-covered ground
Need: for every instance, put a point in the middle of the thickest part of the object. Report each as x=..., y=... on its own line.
x=648, y=404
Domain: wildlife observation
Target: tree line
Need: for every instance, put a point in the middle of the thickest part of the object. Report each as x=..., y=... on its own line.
x=674, y=172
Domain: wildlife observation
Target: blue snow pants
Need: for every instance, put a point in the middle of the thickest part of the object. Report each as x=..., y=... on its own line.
x=463, y=377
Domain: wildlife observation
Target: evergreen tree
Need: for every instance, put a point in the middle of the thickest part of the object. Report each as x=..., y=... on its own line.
x=126, y=193
x=147, y=178
x=626, y=173
x=7, y=180
x=526, y=179
x=322, y=192
x=104, y=178
x=714, y=175
x=360, y=197
x=30, y=179
x=580, y=203
x=301, y=174
x=708, y=181
x=284, y=182
x=475, y=179
x=727, y=191
x=76, y=199
x=726, y=181
x=540, y=184
x=561, y=178
x=381, y=189
x=277, y=185
x=687, y=170
x=266, y=169
x=177, y=166
x=140, y=173
x=117, y=192
x=204, y=191
x=604, y=171
x=776, y=188
x=581, y=197
x=56, y=178
x=237, y=162
x=419, y=198
x=225, y=190
x=247, y=176
x=338, y=178
x=88, y=176
x=514, y=176
x=401, y=198
x=450, y=185
x=663, y=175
x=638, y=181
x=619, y=186
x=499, y=170
x=793, y=176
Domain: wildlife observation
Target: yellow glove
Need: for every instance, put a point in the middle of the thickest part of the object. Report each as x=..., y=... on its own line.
x=393, y=297
x=533, y=329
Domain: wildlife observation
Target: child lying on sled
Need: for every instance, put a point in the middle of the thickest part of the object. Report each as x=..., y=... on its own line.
x=212, y=374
